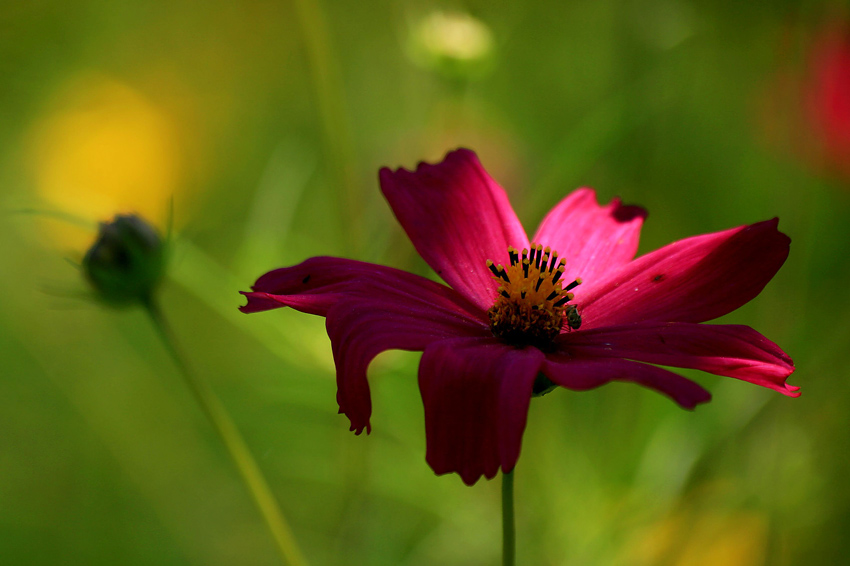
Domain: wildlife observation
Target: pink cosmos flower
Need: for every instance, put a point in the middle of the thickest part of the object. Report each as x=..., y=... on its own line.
x=516, y=319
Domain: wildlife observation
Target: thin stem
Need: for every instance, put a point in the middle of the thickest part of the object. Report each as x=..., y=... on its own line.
x=251, y=474
x=508, y=529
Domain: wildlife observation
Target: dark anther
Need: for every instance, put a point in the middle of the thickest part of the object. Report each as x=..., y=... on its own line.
x=557, y=275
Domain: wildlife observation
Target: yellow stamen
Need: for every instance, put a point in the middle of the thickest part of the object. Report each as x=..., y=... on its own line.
x=531, y=306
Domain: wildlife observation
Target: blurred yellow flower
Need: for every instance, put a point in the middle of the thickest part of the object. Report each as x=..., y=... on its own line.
x=736, y=538
x=104, y=149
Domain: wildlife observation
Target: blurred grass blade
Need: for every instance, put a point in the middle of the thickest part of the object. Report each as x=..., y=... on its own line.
x=276, y=199
x=230, y=436
x=219, y=289
x=67, y=217
x=327, y=82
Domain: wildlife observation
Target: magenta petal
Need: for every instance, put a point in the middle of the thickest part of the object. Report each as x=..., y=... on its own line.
x=584, y=374
x=594, y=240
x=317, y=284
x=360, y=330
x=730, y=350
x=369, y=309
x=476, y=394
x=457, y=218
x=692, y=280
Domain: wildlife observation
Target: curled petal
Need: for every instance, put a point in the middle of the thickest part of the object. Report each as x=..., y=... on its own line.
x=730, y=350
x=476, y=394
x=594, y=240
x=584, y=374
x=457, y=218
x=360, y=330
x=317, y=284
x=692, y=280
x=369, y=309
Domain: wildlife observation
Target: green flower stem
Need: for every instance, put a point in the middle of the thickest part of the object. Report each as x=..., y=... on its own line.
x=235, y=445
x=508, y=528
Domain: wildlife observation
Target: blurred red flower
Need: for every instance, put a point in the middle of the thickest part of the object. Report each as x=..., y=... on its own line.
x=804, y=108
x=508, y=326
x=827, y=97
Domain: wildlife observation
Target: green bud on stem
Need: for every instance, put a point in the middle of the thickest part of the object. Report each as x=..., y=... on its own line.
x=126, y=262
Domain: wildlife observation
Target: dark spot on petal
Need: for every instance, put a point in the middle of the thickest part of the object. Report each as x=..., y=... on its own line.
x=663, y=341
x=626, y=213
x=658, y=278
x=306, y=279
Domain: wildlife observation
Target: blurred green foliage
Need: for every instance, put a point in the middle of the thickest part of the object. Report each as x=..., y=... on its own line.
x=267, y=122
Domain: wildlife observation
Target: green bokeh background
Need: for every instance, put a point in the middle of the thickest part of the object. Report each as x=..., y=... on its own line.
x=283, y=112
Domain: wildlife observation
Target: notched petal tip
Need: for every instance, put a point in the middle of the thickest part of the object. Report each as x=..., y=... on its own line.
x=692, y=280
x=789, y=390
x=357, y=423
x=730, y=350
x=359, y=430
x=593, y=239
x=259, y=302
x=778, y=240
x=476, y=394
x=627, y=212
x=452, y=156
x=769, y=225
x=457, y=217
x=455, y=156
x=617, y=210
x=699, y=398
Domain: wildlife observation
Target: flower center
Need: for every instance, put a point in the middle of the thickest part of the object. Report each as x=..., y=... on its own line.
x=532, y=305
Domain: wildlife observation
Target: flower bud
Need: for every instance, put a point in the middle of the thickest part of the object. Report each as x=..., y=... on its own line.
x=126, y=261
